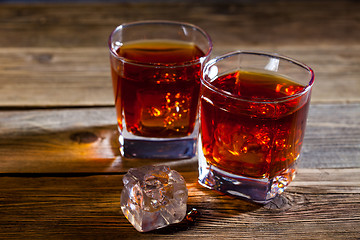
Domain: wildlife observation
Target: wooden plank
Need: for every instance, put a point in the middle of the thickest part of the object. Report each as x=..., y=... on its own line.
x=238, y=23
x=319, y=204
x=61, y=141
x=332, y=136
x=60, y=177
x=48, y=77
x=43, y=77
x=49, y=52
x=85, y=140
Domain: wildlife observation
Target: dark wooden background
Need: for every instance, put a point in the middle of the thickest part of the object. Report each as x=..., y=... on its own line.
x=60, y=170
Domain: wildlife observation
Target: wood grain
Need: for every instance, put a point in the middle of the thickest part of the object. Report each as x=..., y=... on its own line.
x=85, y=140
x=319, y=204
x=60, y=170
x=55, y=77
x=49, y=52
x=50, y=77
x=235, y=23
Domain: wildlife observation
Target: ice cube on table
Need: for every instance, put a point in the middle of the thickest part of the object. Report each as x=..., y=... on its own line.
x=153, y=197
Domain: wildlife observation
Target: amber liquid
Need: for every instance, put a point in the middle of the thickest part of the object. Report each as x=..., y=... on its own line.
x=158, y=98
x=256, y=138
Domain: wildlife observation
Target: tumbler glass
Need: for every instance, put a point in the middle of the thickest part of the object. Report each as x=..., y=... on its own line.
x=156, y=68
x=254, y=107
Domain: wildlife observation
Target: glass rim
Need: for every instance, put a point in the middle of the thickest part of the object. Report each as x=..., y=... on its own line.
x=160, y=65
x=213, y=61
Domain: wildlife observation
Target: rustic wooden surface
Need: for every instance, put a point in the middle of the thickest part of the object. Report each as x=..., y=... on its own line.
x=320, y=204
x=60, y=173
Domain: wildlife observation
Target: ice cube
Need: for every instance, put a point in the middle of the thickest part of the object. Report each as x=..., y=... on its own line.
x=153, y=197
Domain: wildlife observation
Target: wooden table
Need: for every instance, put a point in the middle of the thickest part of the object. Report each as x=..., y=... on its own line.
x=60, y=170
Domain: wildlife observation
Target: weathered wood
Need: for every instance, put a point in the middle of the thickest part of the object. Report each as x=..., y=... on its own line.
x=60, y=174
x=238, y=23
x=49, y=52
x=332, y=136
x=43, y=77
x=319, y=204
x=55, y=77
x=85, y=140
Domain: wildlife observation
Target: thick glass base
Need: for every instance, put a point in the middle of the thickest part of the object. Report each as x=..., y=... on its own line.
x=132, y=146
x=158, y=148
x=256, y=190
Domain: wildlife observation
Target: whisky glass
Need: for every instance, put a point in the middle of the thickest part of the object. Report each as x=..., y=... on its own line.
x=254, y=107
x=156, y=68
